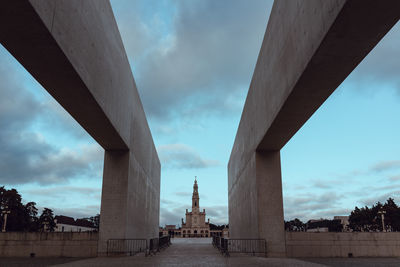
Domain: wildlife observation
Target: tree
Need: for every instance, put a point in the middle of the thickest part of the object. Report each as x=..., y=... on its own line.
x=364, y=219
x=46, y=220
x=294, y=226
x=32, y=223
x=95, y=220
x=392, y=216
x=18, y=218
x=368, y=219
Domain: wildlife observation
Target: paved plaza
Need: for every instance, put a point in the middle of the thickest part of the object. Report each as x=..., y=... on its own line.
x=189, y=252
x=197, y=252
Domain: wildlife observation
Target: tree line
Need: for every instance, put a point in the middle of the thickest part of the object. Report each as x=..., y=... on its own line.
x=365, y=219
x=24, y=217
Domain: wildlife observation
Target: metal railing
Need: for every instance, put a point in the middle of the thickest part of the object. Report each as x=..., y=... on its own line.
x=165, y=241
x=154, y=246
x=196, y=235
x=130, y=247
x=251, y=246
x=159, y=243
x=127, y=247
x=216, y=241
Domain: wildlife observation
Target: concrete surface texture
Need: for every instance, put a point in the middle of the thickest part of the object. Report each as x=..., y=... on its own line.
x=189, y=252
x=74, y=50
x=23, y=244
x=328, y=245
x=309, y=48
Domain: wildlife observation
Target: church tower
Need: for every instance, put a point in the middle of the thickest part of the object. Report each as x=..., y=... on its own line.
x=195, y=198
x=195, y=225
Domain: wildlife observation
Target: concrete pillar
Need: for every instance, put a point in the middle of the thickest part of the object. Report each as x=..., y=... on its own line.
x=270, y=203
x=255, y=202
x=130, y=200
x=114, y=195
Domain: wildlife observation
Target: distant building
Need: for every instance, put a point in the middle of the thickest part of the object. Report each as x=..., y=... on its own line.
x=68, y=224
x=317, y=226
x=195, y=225
x=171, y=230
x=324, y=225
x=318, y=229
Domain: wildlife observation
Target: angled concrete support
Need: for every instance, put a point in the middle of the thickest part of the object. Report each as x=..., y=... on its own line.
x=257, y=195
x=130, y=201
x=114, y=197
x=309, y=48
x=269, y=202
x=74, y=50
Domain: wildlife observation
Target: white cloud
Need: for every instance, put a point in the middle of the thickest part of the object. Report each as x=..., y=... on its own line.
x=180, y=156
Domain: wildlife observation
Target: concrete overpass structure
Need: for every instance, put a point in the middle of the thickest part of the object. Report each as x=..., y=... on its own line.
x=74, y=50
x=309, y=48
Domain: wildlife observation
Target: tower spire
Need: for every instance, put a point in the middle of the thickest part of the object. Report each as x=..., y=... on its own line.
x=195, y=197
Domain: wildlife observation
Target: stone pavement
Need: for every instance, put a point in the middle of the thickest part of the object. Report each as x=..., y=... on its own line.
x=197, y=252
x=358, y=262
x=33, y=262
x=189, y=252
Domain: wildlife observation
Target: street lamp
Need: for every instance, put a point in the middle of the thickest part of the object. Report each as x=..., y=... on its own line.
x=45, y=225
x=5, y=212
x=382, y=213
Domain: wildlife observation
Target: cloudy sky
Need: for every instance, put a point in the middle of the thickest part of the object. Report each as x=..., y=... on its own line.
x=193, y=62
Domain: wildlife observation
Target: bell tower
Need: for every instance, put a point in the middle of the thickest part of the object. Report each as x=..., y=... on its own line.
x=195, y=197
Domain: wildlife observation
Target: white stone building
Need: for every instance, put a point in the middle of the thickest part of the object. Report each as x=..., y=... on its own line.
x=195, y=225
x=68, y=224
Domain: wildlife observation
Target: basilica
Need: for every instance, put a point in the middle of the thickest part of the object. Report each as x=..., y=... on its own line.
x=195, y=225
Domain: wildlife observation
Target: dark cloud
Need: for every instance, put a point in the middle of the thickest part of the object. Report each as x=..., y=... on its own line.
x=81, y=212
x=25, y=156
x=58, y=191
x=322, y=184
x=386, y=165
x=376, y=195
x=56, y=197
x=205, y=61
x=164, y=201
x=218, y=214
x=180, y=156
x=382, y=64
x=173, y=216
x=394, y=178
x=312, y=205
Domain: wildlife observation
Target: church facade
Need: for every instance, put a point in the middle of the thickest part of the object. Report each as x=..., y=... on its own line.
x=195, y=225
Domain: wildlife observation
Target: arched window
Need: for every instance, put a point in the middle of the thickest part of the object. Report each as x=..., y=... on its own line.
x=195, y=203
x=184, y=231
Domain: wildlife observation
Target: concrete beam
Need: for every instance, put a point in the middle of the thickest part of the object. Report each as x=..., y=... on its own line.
x=74, y=50
x=309, y=48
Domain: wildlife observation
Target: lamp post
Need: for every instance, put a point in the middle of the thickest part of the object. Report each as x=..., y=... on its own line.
x=45, y=223
x=5, y=213
x=382, y=213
